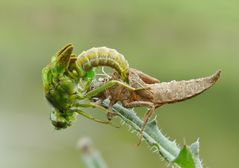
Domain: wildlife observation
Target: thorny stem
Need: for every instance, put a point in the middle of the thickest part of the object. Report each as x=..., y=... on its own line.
x=187, y=157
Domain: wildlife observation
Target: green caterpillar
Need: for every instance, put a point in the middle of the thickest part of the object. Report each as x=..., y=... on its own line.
x=102, y=56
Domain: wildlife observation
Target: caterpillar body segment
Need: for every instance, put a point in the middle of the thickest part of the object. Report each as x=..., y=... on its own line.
x=102, y=56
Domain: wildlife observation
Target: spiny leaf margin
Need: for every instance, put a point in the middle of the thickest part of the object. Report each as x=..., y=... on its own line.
x=187, y=157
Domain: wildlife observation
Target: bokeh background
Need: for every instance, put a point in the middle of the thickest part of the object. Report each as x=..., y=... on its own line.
x=167, y=39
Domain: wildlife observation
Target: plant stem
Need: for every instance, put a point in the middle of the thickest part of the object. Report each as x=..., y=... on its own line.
x=187, y=157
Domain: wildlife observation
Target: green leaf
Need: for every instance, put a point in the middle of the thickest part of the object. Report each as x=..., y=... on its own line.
x=185, y=158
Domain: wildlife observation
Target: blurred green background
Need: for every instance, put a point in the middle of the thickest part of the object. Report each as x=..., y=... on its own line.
x=167, y=39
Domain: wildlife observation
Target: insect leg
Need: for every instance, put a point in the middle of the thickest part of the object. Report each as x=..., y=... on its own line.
x=147, y=116
x=110, y=114
x=91, y=104
x=109, y=85
x=90, y=117
x=146, y=119
x=137, y=104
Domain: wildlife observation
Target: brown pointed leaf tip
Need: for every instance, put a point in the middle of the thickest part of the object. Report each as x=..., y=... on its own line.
x=175, y=91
